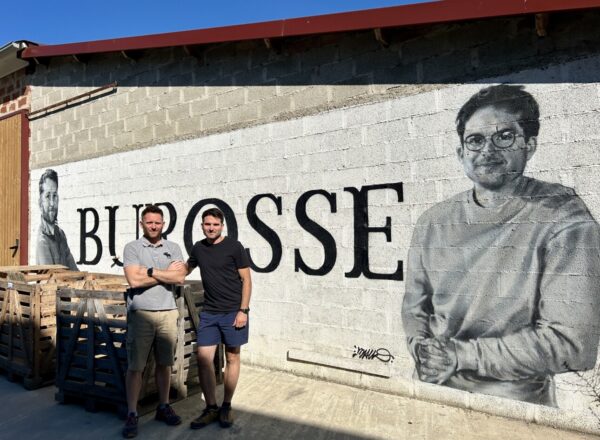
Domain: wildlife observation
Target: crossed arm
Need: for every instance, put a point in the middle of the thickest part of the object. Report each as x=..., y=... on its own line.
x=137, y=276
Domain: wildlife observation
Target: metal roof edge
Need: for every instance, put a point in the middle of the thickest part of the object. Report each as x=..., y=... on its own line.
x=9, y=60
x=440, y=11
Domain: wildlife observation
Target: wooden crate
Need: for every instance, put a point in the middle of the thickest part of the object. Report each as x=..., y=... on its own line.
x=90, y=345
x=103, y=281
x=27, y=321
x=30, y=273
x=184, y=374
x=193, y=298
x=92, y=352
x=34, y=269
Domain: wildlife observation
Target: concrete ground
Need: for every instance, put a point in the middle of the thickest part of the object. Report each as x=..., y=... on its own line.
x=271, y=405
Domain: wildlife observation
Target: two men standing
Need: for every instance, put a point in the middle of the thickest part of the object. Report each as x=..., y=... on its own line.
x=152, y=267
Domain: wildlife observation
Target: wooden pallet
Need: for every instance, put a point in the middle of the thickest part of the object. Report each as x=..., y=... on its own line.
x=27, y=274
x=193, y=298
x=102, y=281
x=27, y=321
x=92, y=353
x=34, y=269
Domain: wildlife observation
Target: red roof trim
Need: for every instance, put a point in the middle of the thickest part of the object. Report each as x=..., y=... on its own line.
x=395, y=16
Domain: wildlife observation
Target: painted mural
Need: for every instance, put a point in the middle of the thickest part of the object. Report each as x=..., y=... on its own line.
x=502, y=290
x=51, y=244
x=378, y=235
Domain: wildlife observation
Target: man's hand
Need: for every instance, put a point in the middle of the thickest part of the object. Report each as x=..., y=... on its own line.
x=174, y=274
x=177, y=265
x=137, y=277
x=437, y=360
x=241, y=319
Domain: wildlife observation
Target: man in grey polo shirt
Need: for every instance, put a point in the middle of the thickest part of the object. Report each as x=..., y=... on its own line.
x=152, y=266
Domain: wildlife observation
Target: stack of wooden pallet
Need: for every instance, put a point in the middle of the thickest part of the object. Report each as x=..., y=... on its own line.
x=92, y=354
x=70, y=327
x=27, y=320
x=190, y=302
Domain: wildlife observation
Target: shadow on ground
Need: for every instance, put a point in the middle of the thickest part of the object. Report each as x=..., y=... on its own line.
x=36, y=415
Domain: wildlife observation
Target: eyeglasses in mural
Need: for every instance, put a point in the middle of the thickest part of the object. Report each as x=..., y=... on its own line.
x=502, y=289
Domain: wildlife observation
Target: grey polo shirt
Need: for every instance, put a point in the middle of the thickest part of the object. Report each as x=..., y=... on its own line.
x=143, y=253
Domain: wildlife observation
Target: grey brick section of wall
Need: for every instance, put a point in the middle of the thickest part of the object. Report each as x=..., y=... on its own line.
x=169, y=95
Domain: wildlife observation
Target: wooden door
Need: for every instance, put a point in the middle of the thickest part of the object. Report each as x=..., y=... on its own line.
x=13, y=184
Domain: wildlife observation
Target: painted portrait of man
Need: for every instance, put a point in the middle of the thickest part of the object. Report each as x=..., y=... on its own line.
x=52, y=246
x=503, y=280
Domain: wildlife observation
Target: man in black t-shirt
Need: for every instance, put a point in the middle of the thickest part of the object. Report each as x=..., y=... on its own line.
x=225, y=273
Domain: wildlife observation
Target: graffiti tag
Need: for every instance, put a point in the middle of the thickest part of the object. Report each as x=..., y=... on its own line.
x=382, y=354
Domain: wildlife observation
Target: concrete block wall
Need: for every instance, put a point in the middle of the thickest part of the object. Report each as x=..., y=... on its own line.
x=14, y=93
x=348, y=135
x=168, y=95
x=323, y=319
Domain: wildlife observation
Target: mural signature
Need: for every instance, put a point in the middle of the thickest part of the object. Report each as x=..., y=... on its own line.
x=383, y=354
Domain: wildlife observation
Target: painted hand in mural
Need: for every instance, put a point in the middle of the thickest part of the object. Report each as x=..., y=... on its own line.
x=437, y=360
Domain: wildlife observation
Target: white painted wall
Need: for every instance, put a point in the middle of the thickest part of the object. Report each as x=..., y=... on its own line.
x=411, y=140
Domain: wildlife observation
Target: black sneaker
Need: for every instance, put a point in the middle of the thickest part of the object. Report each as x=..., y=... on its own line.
x=167, y=415
x=208, y=416
x=225, y=417
x=130, y=429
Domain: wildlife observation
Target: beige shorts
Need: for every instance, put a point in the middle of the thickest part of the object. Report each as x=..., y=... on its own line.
x=147, y=329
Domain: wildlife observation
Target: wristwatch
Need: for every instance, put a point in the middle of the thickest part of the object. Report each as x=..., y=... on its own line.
x=245, y=311
x=150, y=271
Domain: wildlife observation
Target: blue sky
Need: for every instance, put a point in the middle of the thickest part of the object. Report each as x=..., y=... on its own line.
x=67, y=21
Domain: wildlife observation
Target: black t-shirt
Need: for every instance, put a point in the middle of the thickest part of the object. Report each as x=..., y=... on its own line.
x=219, y=264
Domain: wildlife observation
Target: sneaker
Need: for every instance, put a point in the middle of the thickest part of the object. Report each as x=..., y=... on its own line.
x=208, y=416
x=130, y=429
x=225, y=417
x=167, y=415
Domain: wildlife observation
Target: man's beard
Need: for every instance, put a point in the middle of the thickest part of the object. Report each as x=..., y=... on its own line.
x=50, y=217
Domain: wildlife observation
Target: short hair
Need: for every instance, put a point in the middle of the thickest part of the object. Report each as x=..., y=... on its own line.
x=214, y=212
x=154, y=209
x=511, y=98
x=48, y=174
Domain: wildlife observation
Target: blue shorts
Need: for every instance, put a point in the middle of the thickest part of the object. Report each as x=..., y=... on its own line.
x=217, y=328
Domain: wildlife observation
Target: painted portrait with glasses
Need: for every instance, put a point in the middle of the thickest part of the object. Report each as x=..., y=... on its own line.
x=503, y=280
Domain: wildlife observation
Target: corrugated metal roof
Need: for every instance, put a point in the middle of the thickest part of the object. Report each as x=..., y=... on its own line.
x=396, y=16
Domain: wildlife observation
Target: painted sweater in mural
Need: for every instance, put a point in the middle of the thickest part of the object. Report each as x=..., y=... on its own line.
x=52, y=247
x=517, y=287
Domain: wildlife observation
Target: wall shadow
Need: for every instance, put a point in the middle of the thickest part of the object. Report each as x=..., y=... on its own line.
x=470, y=51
